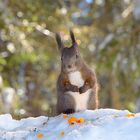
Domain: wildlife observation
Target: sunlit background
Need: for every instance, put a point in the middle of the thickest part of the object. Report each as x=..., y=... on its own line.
x=108, y=34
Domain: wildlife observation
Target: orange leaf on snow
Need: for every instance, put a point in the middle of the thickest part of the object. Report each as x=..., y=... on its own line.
x=72, y=120
x=62, y=133
x=65, y=116
x=130, y=115
x=40, y=135
x=81, y=120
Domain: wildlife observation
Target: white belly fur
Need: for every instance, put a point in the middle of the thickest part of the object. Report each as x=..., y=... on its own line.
x=81, y=100
x=76, y=79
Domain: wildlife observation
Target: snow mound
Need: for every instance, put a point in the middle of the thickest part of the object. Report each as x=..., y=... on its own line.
x=102, y=124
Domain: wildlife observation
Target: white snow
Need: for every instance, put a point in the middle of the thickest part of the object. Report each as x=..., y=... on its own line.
x=102, y=124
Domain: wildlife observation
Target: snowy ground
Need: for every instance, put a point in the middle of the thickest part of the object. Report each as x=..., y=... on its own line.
x=102, y=124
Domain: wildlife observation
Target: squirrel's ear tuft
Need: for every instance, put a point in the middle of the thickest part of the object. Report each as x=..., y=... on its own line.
x=59, y=41
x=74, y=43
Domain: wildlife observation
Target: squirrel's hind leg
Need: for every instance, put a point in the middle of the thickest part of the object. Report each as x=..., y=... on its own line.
x=69, y=111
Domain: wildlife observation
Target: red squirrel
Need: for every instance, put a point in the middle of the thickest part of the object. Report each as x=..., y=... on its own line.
x=77, y=87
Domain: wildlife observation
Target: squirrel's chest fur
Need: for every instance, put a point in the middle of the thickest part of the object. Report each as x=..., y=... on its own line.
x=76, y=79
x=81, y=100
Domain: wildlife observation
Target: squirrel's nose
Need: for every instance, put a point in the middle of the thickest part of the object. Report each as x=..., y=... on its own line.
x=69, y=66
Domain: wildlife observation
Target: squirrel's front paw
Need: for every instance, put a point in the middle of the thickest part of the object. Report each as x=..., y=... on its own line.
x=81, y=90
x=75, y=89
x=84, y=88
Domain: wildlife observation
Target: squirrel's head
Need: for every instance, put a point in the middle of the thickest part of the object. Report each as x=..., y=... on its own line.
x=70, y=57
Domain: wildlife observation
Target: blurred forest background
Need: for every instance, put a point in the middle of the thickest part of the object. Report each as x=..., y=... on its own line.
x=108, y=34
